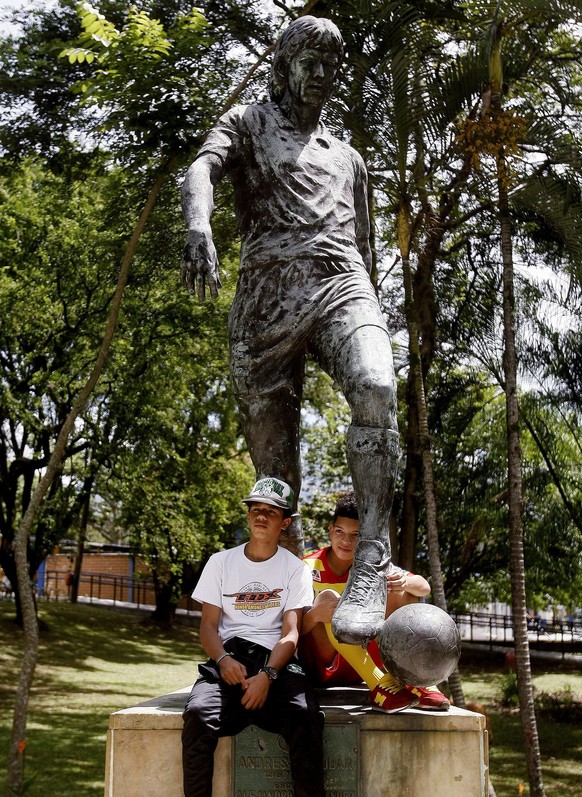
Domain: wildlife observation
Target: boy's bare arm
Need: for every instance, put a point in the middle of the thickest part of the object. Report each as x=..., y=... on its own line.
x=408, y=582
x=231, y=671
x=321, y=611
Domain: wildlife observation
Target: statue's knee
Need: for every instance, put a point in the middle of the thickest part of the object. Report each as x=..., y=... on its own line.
x=374, y=402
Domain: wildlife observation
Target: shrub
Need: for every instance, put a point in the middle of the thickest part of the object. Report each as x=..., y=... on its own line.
x=509, y=694
x=561, y=706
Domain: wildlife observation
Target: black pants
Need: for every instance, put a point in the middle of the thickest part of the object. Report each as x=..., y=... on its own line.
x=214, y=709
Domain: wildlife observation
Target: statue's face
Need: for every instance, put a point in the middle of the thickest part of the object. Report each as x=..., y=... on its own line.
x=311, y=75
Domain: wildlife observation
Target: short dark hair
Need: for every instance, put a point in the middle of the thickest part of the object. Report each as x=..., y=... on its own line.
x=306, y=31
x=346, y=506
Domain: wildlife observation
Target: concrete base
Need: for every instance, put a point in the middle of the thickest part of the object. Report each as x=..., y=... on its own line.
x=410, y=754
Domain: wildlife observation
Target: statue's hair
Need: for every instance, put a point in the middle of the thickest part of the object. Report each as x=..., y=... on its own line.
x=303, y=32
x=346, y=506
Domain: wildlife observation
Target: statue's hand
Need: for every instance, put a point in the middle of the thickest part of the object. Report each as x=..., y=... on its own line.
x=199, y=265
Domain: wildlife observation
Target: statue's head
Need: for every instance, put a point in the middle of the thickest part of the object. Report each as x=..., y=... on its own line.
x=303, y=33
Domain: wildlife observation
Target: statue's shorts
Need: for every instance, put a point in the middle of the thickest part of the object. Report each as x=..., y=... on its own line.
x=284, y=311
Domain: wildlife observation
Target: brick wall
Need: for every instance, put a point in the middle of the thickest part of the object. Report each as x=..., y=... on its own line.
x=103, y=575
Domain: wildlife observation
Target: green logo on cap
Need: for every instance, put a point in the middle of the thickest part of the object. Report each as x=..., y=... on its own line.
x=268, y=486
x=271, y=487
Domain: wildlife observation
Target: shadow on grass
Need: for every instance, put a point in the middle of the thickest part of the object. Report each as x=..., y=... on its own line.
x=66, y=752
x=482, y=674
x=73, y=636
x=561, y=747
x=92, y=661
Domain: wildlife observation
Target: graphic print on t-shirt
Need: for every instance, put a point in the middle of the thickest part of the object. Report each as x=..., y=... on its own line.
x=255, y=598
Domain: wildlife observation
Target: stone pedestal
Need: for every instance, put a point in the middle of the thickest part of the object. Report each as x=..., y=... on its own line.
x=410, y=754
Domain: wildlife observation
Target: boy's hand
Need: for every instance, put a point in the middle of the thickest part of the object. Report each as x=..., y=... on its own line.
x=232, y=671
x=326, y=604
x=396, y=582
x=256, y=689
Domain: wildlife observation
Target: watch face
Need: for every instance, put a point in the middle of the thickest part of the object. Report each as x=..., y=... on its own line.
x=271, y=672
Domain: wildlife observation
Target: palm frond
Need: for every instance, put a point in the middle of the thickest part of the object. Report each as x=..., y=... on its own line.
x=551, y=207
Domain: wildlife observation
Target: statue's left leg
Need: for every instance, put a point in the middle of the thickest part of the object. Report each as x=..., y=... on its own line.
x=373, y=455
x=359, y=357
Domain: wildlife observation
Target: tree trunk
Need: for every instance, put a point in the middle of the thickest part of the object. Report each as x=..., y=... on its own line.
x=15, y=777
x=84, y=519
x=514, y=482
x=30, y=653
x=412, y=483
x=166, y=605
x=438, y=590
x=515, y=502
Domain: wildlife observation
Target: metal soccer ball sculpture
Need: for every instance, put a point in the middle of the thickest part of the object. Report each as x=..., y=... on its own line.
x=419, y=644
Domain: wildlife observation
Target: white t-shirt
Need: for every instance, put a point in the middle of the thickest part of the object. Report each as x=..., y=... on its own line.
x=254, y=596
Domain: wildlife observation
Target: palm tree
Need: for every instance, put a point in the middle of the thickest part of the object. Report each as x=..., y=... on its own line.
x=499, y=132
x=394, y=67
x=515, y=491
x=388, y=113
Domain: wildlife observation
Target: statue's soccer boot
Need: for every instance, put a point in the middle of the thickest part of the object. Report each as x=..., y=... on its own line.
x=362, y=607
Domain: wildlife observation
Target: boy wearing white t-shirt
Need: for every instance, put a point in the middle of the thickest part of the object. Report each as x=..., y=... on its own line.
x=253, y=598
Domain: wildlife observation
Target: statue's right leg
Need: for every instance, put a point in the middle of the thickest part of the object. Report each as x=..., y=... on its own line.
x=271, y=427
x=267, y=349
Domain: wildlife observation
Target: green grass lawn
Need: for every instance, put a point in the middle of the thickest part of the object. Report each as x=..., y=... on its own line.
x=560, y=741
x=94, y=661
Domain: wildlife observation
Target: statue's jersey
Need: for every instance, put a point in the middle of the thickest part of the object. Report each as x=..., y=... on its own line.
x=296, y=195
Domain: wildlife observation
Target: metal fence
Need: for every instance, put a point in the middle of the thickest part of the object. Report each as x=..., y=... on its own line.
x=497, y=629
x=102, y=587
x=479, y=627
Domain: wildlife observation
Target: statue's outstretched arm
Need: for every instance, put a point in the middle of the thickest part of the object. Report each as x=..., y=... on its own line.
x=199, y=266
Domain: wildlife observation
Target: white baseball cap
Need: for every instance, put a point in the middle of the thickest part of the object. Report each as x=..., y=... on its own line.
x=273, y=492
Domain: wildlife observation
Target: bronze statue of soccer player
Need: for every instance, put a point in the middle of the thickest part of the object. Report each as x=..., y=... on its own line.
x=303, y=286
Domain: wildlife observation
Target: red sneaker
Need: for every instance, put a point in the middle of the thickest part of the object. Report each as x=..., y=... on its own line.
x=429, y=698
x=390, y=696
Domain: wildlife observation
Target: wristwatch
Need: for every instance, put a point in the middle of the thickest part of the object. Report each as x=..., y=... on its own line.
x=271, y=672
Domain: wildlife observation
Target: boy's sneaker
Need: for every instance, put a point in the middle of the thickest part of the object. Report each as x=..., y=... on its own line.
x=390, y=696
x=429, y=698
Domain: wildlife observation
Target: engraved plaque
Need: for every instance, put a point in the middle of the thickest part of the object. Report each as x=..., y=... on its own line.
x=261, y=763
